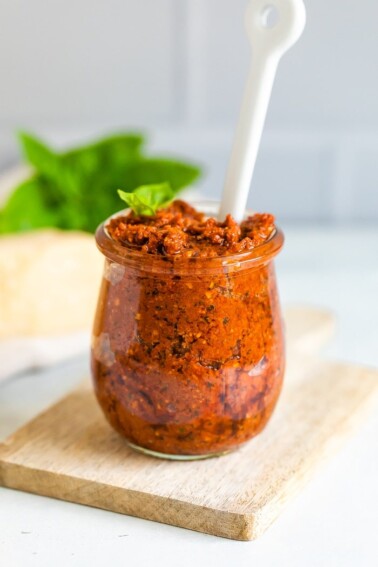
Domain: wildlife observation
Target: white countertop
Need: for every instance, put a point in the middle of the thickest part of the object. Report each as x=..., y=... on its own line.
x=333, y=521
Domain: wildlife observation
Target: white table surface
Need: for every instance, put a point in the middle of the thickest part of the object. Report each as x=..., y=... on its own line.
x=333, y=522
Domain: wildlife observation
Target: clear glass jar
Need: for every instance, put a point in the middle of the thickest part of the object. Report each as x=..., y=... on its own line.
x=188, y=355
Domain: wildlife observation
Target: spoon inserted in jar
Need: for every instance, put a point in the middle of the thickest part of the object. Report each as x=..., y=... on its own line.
x=273, y=26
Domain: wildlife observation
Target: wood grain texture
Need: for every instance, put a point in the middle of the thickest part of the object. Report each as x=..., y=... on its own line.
x=69, y=452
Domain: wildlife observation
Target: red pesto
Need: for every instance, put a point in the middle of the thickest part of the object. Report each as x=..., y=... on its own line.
x=180, y=229
x=188, y=350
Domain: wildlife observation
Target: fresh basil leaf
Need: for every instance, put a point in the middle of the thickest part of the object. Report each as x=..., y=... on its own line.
x=155, y=170
x=36, y=152
x=27, y=209
x=50, y=166
x=147, y=199
x=114, y=149
x=39, y=155
x=76, y=190
x=97, y=170
x=110, y=155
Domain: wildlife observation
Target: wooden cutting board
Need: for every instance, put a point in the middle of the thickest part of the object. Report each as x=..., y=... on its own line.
x=69, y=452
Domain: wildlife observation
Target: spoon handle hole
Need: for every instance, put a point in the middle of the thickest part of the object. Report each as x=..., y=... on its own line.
x=269, y=16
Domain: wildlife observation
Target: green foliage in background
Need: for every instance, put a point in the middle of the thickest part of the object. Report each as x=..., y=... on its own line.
x=77, y=190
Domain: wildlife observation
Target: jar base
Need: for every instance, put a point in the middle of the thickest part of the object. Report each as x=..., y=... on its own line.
x=171, y=457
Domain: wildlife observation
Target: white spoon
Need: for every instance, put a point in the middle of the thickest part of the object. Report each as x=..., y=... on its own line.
x=273, y=26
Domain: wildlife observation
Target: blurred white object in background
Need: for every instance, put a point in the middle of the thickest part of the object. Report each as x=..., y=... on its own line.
x=49, y=283
x=21, y=354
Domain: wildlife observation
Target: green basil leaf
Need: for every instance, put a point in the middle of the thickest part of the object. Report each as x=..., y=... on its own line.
x=64, y=179
x=27, y=209
x=147, y=199
x=109, y=157
x=39, y=155
x=76, y=190
x=156, y=170
x=114, y=149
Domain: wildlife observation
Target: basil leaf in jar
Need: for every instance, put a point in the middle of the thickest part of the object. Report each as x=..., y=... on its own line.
x=147, y=199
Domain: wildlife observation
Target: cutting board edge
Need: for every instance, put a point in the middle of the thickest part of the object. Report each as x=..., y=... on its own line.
x=178, y=513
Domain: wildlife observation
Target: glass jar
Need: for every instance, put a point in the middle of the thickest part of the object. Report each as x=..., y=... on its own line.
x=187, y=354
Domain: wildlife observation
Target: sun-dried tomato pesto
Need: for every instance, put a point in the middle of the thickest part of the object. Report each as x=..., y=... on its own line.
x=180, y=229
x=187, y=353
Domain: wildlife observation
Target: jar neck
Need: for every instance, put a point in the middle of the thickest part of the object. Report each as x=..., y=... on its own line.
x=178, y=264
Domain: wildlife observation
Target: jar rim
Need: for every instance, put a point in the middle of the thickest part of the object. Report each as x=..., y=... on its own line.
x=123, y=255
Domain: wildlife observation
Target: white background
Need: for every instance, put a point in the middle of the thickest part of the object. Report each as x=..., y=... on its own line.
x=70, y=69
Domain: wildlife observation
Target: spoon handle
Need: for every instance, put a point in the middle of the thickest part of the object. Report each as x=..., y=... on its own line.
x=269, y=41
